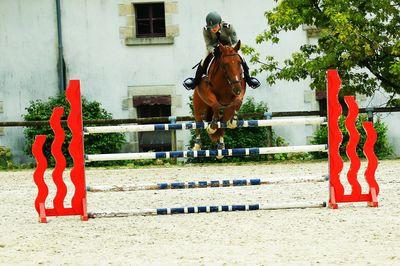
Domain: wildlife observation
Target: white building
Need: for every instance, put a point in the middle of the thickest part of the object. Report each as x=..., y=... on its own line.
x=121, y=70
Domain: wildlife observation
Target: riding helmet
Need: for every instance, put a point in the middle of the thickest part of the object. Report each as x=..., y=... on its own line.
x=213, y=19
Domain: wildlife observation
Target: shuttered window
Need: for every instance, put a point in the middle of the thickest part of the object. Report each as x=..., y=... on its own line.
x=154, y=106
x=150, y=20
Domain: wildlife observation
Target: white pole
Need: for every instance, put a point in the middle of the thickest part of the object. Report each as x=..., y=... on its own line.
x=204, y=153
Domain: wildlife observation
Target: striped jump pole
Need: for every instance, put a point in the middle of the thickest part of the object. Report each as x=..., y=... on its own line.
x=202, y=125
x=204, y=153
x=208, y=209
x=207, y=184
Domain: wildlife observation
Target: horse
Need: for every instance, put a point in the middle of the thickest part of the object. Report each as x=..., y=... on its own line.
x=219, y=95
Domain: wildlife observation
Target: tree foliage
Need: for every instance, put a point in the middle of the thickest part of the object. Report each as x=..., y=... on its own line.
x=41, y=110
x=5, y=158
x=358, y=37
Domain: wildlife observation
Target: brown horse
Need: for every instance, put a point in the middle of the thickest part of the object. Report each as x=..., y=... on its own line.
x=219, y=95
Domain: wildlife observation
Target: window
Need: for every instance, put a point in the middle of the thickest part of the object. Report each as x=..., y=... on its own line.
x=154, y=106
x=150, y=20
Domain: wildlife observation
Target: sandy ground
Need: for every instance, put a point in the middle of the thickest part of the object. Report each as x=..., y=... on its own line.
x=354, y=234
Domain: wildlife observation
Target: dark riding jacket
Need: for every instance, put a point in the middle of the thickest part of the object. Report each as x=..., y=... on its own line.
x=226, y=35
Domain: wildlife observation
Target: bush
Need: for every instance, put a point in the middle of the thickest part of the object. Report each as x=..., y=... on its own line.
x=5, y=158
x=243, y=137
x=382, y=146
x=100, y=143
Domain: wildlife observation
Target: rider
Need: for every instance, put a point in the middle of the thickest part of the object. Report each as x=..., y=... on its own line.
x=217, y=31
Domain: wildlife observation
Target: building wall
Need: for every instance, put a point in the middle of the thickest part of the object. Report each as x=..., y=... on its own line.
x=28, y=60
x=113, y=67
x=96, y=54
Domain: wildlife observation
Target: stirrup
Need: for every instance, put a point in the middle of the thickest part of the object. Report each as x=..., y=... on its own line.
x=188, y=84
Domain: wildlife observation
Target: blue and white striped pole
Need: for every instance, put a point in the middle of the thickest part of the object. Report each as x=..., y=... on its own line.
x=208, y=209
x=207, y=184
x=202, y=125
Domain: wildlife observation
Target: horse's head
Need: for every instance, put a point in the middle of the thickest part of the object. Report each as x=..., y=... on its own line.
x=231, y=63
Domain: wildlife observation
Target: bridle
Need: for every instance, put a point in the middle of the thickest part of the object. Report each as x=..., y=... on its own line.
x=231, y=82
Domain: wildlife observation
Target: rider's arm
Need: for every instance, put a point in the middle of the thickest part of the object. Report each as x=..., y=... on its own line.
x=207, y=39
x=232, y=34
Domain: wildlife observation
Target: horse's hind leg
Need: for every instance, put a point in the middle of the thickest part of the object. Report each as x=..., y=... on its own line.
x=217, y=132
x=221, y=144
x=228, y=114
x=197, y=141
x=218, y=135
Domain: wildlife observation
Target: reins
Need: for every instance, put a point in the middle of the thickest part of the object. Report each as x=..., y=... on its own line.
x=218, y=62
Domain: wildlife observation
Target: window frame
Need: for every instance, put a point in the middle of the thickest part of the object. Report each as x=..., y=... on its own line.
x=151, y=20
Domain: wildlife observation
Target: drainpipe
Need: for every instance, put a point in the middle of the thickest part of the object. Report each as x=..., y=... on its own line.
x=60, y=63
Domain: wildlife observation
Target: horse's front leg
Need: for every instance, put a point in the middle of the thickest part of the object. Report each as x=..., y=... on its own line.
x=200, y=108
x=231, y=117
x=210, y=99
x=218, y=112
x=233, y=121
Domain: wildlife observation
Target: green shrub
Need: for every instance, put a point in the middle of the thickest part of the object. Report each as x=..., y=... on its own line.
x=94, y=144
x=382, y=146
x=243, y=137
x=5, y=158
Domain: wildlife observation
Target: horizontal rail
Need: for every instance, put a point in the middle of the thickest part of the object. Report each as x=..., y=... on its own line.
x=153, y=120
x=202, y=125
x=208, y=209
x=206, y=184
x=204, y=153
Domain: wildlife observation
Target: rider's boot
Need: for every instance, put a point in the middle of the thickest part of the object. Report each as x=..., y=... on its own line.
x=191, y=83
x=251, y=81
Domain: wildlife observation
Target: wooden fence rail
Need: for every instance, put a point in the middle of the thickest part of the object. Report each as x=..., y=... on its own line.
x=148, y=120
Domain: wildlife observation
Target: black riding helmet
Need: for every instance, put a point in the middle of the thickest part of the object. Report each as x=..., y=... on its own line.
x=213, y=19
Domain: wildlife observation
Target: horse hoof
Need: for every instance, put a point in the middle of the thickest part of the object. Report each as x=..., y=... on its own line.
x=196, y=147
x=219, y=157
x=210, y=130
x=220, y=146
x=231, y=124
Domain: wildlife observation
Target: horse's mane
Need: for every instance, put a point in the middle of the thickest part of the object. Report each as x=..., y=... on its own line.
x=214, y=67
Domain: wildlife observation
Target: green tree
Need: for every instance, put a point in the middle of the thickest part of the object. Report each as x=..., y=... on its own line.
x=359, y=37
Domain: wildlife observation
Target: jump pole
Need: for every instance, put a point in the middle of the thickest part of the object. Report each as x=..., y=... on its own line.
x=206, y=184
x=202, y=125
x=205, y=153
x=208, y=209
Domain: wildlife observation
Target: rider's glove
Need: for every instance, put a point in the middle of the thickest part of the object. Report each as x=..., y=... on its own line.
x=217, y=51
